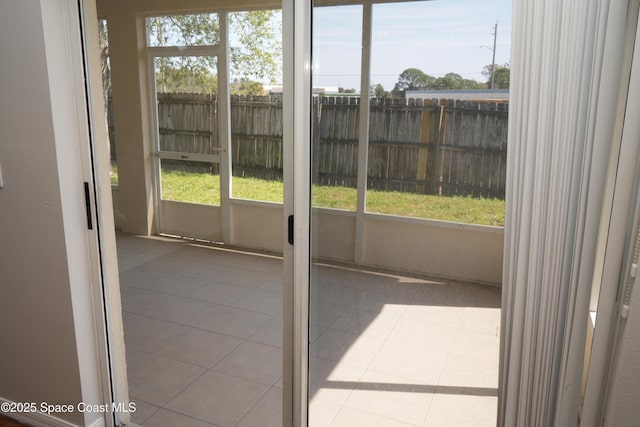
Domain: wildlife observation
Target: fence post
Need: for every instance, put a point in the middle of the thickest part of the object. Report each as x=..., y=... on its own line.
x=316, y=112
x=436, y=171
x=423, y=150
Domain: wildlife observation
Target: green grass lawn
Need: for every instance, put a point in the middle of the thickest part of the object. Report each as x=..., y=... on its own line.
x=204, y=188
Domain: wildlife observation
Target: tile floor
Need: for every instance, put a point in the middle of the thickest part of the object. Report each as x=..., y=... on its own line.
x=203, y=329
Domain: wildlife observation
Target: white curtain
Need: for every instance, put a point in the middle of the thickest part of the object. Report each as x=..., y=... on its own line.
x=566, y=64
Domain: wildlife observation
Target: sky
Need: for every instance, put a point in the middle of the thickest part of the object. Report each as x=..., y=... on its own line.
x=437, y=37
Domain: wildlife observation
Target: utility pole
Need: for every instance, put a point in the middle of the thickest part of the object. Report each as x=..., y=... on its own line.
x=493, y=61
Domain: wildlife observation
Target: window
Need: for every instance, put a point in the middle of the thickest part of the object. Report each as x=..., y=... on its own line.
x=255, y=63
x=438, y=133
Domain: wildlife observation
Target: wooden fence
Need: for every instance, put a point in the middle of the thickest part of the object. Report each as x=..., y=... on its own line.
x=440, y=147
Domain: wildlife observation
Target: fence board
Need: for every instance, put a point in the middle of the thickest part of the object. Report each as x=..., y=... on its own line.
x=434, y=146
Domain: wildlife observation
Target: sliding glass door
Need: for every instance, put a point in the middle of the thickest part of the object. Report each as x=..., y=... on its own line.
x=408, y=153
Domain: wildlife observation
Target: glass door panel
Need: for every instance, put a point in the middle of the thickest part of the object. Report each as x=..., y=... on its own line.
x=409, y=140
x=188, y=144
x=190, y=182
x=256, y=89
x=204, y=322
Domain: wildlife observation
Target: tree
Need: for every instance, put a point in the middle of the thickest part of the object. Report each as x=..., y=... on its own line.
x=456, y=82
x=257, y=54
x=255, y=49
x=378, y=91
x=500, y=78
x=412, y=79
x=246, y=87
x=185, y=74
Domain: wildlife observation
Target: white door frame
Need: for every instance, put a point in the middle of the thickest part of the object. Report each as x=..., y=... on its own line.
x=296, y=17
x=83, y=151
x=297, y=129
x=212, y=51
x=617, y=236
x=223, y=158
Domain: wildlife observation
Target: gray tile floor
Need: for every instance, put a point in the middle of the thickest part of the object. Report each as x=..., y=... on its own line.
x=203, y=329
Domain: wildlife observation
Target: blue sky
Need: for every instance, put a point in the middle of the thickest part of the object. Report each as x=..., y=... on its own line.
x=437, y=37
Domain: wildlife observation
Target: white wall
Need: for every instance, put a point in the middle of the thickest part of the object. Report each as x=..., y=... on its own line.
x=191, y=220
x=39, y=360
x=49, y=350
x=439, y=248
x=257, y=225
x=452, y=250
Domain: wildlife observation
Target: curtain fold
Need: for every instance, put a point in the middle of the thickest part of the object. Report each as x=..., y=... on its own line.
x=559, y=140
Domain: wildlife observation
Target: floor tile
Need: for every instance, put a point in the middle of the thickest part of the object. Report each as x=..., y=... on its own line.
x=388, y=350
x=218, y=398
x=275, y=286
x=174, y=284
x=200, y=348
x=131, y=259
x=409, y=361
x=143, y=302
x=340, y=346
x=469, y=372
x=253, y=361
x=481, y=320
x=331, y=381
x=143, y=411
x=266, y=413
x=161, y=378
x=444, y=295
x=270, y=333
x=449, y=410
x=262, y=263
x=322, y=412
x=235, y=322
x=434, y=315
x=186, y=311
x=376, y=322
x=164, y=418
x=476, y=345
x=436, y=338
x=218, y=293
x=390, y=397
x=324, y=313
x=394, y=291
x=141, y=277
x=278, y=384
x=315, y=331
x=211, y=270
x=333, y=294
x=260, y=301
x=485, y=296
x=135, y=357
x=149, y=334
x=252, y=279
x=348, y=417
x=194, y=253
x=166, y=264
